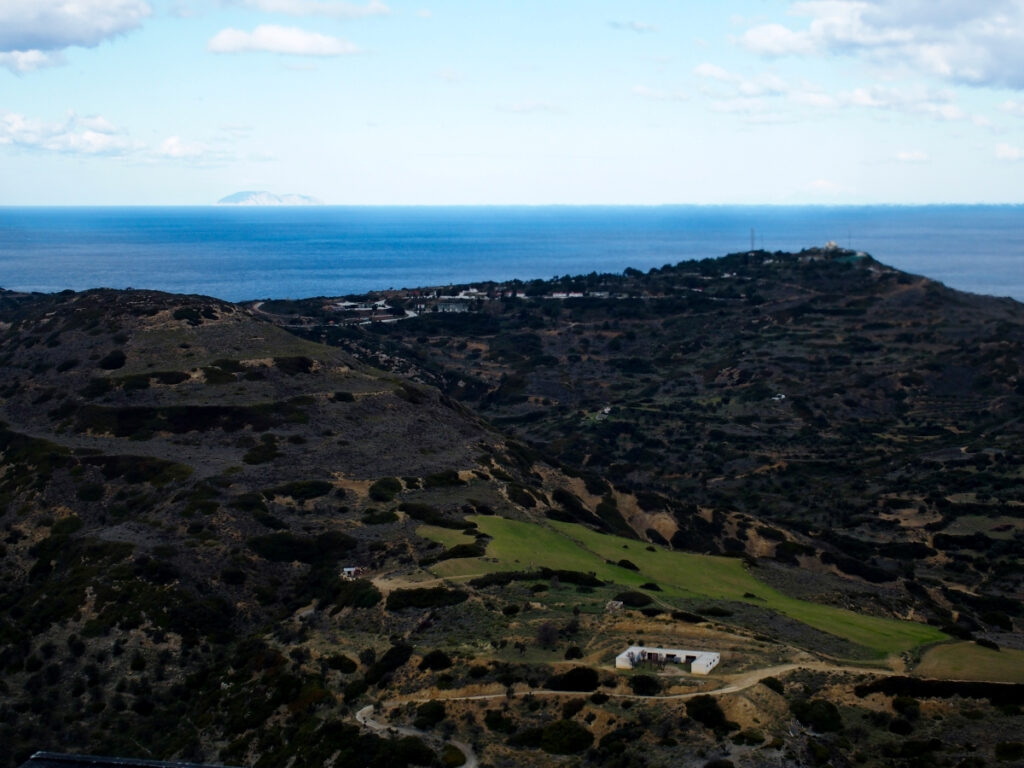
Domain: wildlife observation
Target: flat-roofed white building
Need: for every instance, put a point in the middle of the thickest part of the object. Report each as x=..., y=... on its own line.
x=697, y=662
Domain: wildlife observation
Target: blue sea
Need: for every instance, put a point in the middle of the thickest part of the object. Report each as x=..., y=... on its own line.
x=252, y=253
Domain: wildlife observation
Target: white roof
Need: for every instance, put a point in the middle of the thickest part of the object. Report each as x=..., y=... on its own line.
x=636, y=649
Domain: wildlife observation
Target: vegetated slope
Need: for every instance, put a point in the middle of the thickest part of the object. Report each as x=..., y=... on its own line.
x=677, y=576
x=819, y=409
x=182, y=483
x=178, y=480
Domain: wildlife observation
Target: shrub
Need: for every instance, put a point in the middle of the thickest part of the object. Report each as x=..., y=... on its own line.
x=519, y=495
x=300, y=490
x=379, y=517
x=444, y=479
x=547, y=634
x=114, y=360
x=293, y=365
x=496, y=721
x=341, y=663
x=689, y=618
x=429, y=714
x=392, y=659
x=634, y=599
x=436, y=660
x=907, y=706
x=475, y=549
x=565, y=737
x=821, y=715
x=263, y=452
x=576, y=679
x=430, y=515
x=1009, y=750
x=504, y=578
x=572, y=708
x=358, y=593
x=452, y=757
x=573, y=652
x=233, y=576
x=705, y=710
x=716, y=611
x=385, y=489
x=287, y=547
x=90, y=492
x=432, y=597
x=645, y=685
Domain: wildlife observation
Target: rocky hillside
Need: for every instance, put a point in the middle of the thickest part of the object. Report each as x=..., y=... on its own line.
x=226, y=529
x=820, y=409
x=177, y=477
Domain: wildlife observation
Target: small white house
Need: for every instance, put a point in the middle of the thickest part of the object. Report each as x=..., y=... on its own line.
x=698, y=662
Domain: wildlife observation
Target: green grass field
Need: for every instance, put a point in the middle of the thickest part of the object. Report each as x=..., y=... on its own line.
x=521, y=546
x=446, y=536
x=967, y=661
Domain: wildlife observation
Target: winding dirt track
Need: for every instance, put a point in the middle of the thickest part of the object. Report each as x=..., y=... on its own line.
x=735, y=684
x=364, y=719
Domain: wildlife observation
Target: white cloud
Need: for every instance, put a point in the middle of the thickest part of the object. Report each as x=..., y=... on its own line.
x=764, y=84
x=1009, y=152
x=424, y=13
x=713, y=72
x=95, y=136
x=29, y=61
x=75, y=135
x=640, y=27
x=337, y=9
x=50, y=25
x=938, y=105
x=269, y=38
x=777, y=40
x=656, y=94
x=963, y=41
x=812, y=98
x=740, y=94
x=1012, y=107
x=913, y=156
x=175, y=148
x=529, y=107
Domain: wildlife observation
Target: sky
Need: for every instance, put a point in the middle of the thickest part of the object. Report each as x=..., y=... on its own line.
x=438, y=102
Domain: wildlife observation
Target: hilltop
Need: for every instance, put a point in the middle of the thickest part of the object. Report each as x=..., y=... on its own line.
x=803, y=461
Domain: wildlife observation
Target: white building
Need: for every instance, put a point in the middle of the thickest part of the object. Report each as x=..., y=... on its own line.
x=699, y=662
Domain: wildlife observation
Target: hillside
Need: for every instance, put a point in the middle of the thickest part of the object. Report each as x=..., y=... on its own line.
x=184, y=480
x=819, y=409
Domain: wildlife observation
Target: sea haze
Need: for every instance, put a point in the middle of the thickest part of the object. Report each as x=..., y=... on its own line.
x=250, y=253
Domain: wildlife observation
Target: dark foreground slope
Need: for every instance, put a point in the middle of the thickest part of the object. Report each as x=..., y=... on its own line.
x=179, y=480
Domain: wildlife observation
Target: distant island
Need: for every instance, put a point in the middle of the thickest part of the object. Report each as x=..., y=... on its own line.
x=267, y=198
